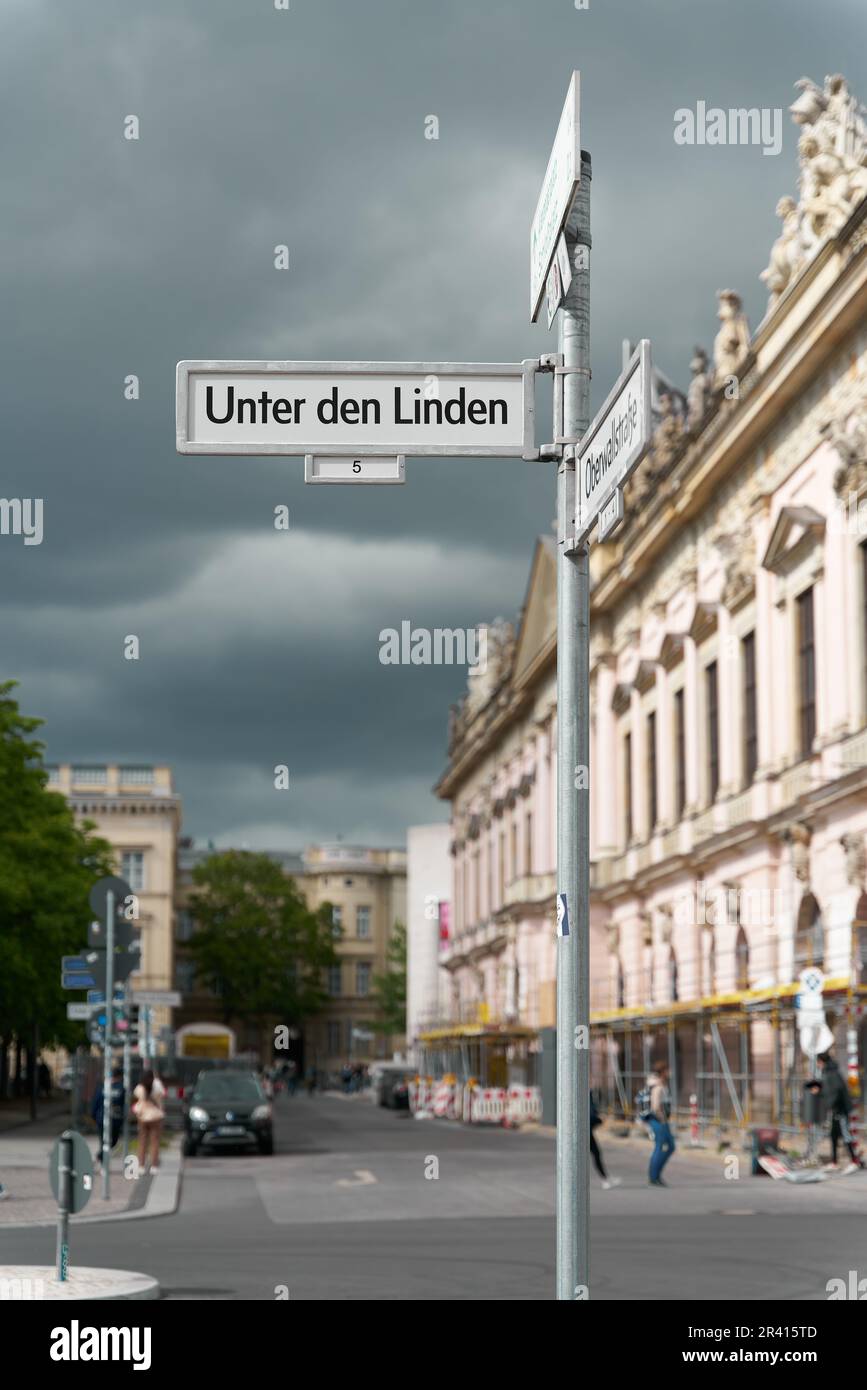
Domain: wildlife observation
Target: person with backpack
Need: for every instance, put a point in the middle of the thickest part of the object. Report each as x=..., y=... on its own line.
x=653, y=1104
x=595, y=1121
x=118, y=1105
x=835, y=1094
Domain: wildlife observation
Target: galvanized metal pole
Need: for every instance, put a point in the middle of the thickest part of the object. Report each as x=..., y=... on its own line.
x=64, y=1202
x=127, y=1068
x=573, y=796
x=106, y=1060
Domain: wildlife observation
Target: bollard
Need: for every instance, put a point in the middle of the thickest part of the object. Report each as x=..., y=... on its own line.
x=64, y=1202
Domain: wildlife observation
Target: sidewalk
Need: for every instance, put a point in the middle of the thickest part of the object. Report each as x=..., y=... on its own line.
x=25, y=1150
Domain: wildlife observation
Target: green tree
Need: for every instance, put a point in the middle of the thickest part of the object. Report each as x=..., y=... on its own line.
x=389, y=990
x=257, y=943
x=48, y=864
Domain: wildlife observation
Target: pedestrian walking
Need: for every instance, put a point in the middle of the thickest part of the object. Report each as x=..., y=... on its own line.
x=4, y=1192
x=118, y=1105
x=595, y=1122
x=835, y=1094
x=653, y=1104
x=148, y=1109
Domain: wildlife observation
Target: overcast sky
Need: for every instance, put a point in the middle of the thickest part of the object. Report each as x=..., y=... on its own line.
x=261, y=127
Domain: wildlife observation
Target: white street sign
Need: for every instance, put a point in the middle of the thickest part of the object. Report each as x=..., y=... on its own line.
x=554, y=290
x=564, y=264
x=611, y=515
x=616, y=441
x=366, y=469
x=353, y=409
x=156, y=998
x=558, y=190
x=82, y=1012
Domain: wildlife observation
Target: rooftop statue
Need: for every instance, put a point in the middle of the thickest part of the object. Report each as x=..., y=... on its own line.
x=832, y=155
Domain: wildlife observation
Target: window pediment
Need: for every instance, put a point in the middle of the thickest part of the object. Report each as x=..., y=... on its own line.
x=797, y=531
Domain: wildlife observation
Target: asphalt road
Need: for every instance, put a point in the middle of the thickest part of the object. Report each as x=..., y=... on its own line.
x=344, y=1210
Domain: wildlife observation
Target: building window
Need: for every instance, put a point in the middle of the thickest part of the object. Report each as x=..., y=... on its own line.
x=621, y=986
x=136, y=776
x=502, y=867
x=652, y=807
x=333, y=1038
x=362, y=923
x=864, y=611
x=514, y=850
x=334, y=981
x=809, y=934
x=132, y=869
x=477, y=907
x=712, y=707
x=528, y=844
x=185, y=925
x=806, y=673
x=53, y=776
x=185, y=976
x=672, y=976
x=336, y=921
x=362, y=977
x=679, y=753
x=750, y=720
x=627, y=786
x=742, y=960
x=91, y=776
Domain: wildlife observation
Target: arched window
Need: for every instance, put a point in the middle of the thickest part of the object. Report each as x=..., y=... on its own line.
x=742, y=961
x=672, y=975
x=809, y=935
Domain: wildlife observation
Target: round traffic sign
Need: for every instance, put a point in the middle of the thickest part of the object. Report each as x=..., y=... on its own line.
x=99, y=895
x=81, y=1184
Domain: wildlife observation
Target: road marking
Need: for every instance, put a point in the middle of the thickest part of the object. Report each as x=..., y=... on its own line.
x=363, y=1178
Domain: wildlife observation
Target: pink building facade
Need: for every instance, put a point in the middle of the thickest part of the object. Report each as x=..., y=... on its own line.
x=728, y=710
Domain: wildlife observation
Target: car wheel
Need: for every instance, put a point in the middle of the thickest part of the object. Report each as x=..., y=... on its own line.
x=266, y=1146
x=190, y=1148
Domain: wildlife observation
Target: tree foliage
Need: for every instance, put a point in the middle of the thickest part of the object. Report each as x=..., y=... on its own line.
x=48, y=864
x=389, y=990
x=257, y=943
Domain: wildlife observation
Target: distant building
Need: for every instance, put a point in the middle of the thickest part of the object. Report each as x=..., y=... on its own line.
x=367, y=888
x=428, y=918
x=136, y=809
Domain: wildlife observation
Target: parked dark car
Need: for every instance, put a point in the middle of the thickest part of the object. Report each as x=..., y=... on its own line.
x=227, y=1107
x=392, y=1088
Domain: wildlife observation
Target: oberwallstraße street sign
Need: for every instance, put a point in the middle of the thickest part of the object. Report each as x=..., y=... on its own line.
x=80, y=1012
x=559, y=278
x=168, y=998
x=616, y=441
x=357, y=409
x=558, y=190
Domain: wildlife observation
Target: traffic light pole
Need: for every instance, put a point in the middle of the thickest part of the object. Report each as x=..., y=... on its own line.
x=109, y=1030
x=573, y=796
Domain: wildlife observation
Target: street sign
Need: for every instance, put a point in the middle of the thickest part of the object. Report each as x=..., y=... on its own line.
x=80, y=1012
x=616, y=441
x=611, y=515
x=156, y=998
x=99, y=895
x=81, y=979
x=357, y=409
x=81, y=1185
x=84, y=962
x=554, y=290
x=97, y=996
x=367, y=469
x=559, y=278
x=558, y=190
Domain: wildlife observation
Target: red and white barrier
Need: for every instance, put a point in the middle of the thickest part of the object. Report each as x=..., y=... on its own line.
x=693, y=1121
x=523, y=1106
x=489, y=1105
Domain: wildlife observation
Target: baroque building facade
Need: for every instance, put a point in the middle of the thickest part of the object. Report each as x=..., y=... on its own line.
x=728, y=673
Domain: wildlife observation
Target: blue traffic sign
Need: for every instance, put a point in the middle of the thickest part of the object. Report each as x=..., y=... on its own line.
x=78, y=979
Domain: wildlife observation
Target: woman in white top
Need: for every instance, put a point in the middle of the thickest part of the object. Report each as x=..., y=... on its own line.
x=148, y=1098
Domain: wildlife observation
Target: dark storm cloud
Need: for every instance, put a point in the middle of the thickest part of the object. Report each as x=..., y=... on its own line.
x=306, y=128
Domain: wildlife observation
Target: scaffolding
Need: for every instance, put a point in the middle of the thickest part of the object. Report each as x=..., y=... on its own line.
x=493, y=1054
x=734, y=1060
